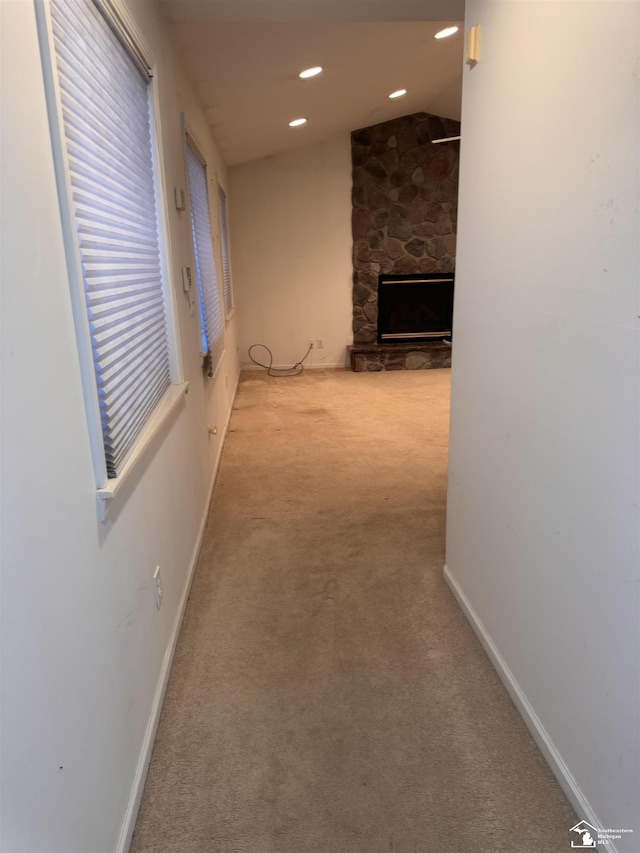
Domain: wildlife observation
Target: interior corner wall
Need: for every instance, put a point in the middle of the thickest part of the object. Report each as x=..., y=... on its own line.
x=84, y=650
x=542, y=521
x=290, y=237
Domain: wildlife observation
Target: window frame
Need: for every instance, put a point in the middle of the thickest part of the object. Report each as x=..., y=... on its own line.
x=190, y=139
x=125, y=29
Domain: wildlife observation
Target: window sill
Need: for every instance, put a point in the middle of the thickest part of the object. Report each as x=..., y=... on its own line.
x=169, y=403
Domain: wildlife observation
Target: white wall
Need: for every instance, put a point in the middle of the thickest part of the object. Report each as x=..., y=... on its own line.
x=84, y=650
x=542, y=538
x=290, y=223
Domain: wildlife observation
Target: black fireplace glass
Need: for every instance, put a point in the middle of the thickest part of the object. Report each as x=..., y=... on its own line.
x=415, y=308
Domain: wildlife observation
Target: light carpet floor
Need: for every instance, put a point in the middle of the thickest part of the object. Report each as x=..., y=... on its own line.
x=327, y=694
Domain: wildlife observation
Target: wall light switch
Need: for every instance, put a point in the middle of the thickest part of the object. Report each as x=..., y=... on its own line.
x=473, y=46
x=180, y=198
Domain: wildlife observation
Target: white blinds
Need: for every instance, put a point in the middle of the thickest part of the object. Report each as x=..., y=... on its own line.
x=224, y=240
x=107, y=126
x=206, y=278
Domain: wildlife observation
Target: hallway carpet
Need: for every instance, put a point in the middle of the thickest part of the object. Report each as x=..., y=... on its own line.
x=327, y=694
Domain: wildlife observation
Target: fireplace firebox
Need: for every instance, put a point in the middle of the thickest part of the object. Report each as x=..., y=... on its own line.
x=415, y=308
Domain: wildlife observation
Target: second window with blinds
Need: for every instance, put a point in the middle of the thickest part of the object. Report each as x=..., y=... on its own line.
x=224, y=247
x=209, y=308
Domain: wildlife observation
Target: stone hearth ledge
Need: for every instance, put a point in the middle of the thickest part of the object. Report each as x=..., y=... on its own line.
x=425, y=356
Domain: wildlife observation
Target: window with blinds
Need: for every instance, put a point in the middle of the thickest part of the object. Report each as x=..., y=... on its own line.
x=211, y=321
x=224, y=241
x=108, y=150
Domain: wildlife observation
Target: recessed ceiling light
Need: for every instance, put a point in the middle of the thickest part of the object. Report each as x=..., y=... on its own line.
x=448, y=31
x=297, y=122
x=398, y=93
x=310, y=72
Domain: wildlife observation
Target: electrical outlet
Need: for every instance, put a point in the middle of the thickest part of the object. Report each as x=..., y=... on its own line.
x=310, y=343
x=158, y=587
x=320, y=343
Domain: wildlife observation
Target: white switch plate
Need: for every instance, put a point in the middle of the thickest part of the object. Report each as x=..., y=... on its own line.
x=158, y=587
x=180, y=198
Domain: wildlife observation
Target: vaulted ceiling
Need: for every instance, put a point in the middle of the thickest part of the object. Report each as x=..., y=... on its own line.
x=244, y=56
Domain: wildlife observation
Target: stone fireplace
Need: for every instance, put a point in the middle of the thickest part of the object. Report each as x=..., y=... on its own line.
x=405, y=193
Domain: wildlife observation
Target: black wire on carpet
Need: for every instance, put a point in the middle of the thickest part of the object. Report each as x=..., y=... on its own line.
x=279, y=372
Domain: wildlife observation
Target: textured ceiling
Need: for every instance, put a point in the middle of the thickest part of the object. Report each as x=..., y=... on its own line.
x=244, y=56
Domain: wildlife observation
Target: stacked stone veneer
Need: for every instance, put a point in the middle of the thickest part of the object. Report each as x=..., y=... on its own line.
x=405, y=197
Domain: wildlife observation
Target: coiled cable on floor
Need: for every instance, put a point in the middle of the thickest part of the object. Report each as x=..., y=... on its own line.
x=278, y=372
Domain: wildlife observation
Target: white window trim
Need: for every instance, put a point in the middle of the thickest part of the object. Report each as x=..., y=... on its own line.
x=163, y=411
x=123, y=23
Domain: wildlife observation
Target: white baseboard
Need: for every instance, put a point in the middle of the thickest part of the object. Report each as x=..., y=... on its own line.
x=342, y=365
x=135, y=798
x=548, y=749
